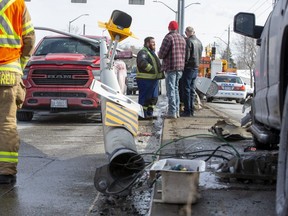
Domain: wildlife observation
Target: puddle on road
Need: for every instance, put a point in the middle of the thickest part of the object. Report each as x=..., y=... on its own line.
x=208, y=180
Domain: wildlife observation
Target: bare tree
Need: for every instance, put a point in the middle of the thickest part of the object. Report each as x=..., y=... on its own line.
x=246, y=54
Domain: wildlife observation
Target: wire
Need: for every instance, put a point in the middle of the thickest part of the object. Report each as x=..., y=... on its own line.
x=253, y=5
x=202, y=135
x=124, y=187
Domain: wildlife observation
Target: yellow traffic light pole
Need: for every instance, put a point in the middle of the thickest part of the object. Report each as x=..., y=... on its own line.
x=119, y=117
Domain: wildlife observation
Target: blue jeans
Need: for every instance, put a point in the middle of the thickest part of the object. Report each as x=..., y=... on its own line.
x=189, y=77
x=172, y=82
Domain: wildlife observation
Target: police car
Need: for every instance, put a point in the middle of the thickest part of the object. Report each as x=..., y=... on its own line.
x=230, y=87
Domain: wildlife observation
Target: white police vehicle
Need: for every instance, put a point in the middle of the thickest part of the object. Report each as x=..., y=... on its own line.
x=230, y=87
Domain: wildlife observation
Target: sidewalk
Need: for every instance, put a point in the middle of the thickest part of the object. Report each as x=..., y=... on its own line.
x=217, y=198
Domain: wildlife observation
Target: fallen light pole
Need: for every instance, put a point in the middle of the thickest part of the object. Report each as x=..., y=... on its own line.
x=119, y=113
x=119, y=117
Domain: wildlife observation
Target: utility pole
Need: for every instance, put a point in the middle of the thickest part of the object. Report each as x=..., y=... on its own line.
x=180, y=13
x=228, y=48
x=84, y=28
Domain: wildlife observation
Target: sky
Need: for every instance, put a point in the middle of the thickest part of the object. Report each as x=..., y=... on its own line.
x=210, y=19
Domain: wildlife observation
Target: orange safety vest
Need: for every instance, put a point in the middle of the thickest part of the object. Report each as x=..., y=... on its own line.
x=13, y=25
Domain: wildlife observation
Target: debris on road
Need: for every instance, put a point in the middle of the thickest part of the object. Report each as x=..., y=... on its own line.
x=229, y=131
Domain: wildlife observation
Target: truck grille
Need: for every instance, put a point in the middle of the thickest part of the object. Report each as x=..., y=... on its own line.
x=60, y=77
x=60, y=94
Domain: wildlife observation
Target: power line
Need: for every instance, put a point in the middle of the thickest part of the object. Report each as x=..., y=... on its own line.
x=254, y=5
x=259, y=7
x=259, y=15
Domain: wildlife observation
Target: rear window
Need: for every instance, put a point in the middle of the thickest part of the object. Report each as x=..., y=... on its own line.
x=67, y=45
x=228, y=79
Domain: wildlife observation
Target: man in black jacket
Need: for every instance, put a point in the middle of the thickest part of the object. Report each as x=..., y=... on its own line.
x=193, y=55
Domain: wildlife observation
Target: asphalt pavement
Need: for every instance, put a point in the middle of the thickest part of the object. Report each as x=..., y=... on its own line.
x=189, y=137
x=58, y=159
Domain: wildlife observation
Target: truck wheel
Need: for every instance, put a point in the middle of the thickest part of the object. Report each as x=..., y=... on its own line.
x=24, y=116
x=260, y=145
x=282, y=171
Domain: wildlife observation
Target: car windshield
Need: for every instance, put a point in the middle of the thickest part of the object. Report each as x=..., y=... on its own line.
x=67, y=45
x=228, y=79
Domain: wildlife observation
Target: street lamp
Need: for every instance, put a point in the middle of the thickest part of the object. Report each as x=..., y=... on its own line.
x=179, y=19
x=228, y=46
x=192, y=4
x=76, y=19
x=167, y=7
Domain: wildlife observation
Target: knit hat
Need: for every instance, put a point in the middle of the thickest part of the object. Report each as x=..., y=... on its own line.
x=173, y=25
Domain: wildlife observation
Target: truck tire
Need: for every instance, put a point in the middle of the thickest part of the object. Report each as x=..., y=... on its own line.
x=24, y=116
x=282, y=170
x=260, y=145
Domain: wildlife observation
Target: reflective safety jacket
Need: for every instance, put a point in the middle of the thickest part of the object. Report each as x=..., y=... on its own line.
x=17, y=35
x=148, y=65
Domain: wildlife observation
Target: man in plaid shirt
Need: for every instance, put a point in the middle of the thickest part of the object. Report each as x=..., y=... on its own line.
x=172, y=51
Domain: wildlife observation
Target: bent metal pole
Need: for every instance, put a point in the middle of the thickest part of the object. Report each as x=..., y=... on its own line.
x=120, y=125
x=125, y=164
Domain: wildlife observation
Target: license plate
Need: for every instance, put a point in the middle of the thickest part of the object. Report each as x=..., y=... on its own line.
x=227, y=88
x=58, y=103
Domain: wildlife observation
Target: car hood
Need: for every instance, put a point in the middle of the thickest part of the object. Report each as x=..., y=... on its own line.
x=65, y=57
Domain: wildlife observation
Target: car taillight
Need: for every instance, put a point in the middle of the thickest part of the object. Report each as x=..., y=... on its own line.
x=25, y=73
x=239, y=88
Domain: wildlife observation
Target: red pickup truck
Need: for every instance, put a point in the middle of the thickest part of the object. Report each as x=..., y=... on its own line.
x=58, y=77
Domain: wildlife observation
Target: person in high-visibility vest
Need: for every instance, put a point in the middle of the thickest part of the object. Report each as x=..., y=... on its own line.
x=148, y=75
x=17, y=40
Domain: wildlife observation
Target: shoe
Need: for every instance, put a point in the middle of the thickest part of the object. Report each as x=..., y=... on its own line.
x=178, y=115
x=7, y=179
x=184, y=114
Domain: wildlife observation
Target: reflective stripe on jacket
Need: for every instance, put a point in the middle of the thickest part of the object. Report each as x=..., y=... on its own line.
x=12, y=66
x=9, y=157
x=15, y=22
x=148, y=65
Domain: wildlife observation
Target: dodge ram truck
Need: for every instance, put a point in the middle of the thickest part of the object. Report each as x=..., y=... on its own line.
x=58, y=77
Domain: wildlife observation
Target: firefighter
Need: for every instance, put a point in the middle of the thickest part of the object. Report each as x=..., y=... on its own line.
x=148, y=75
x=17, y=39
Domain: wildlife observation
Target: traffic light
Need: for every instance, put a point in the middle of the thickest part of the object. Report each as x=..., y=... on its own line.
x=224, y=65
x=207, y=50
x=213, y=50
x=118, y=24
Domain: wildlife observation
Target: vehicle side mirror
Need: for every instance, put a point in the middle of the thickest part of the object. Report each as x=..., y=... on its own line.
x=244, y=24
